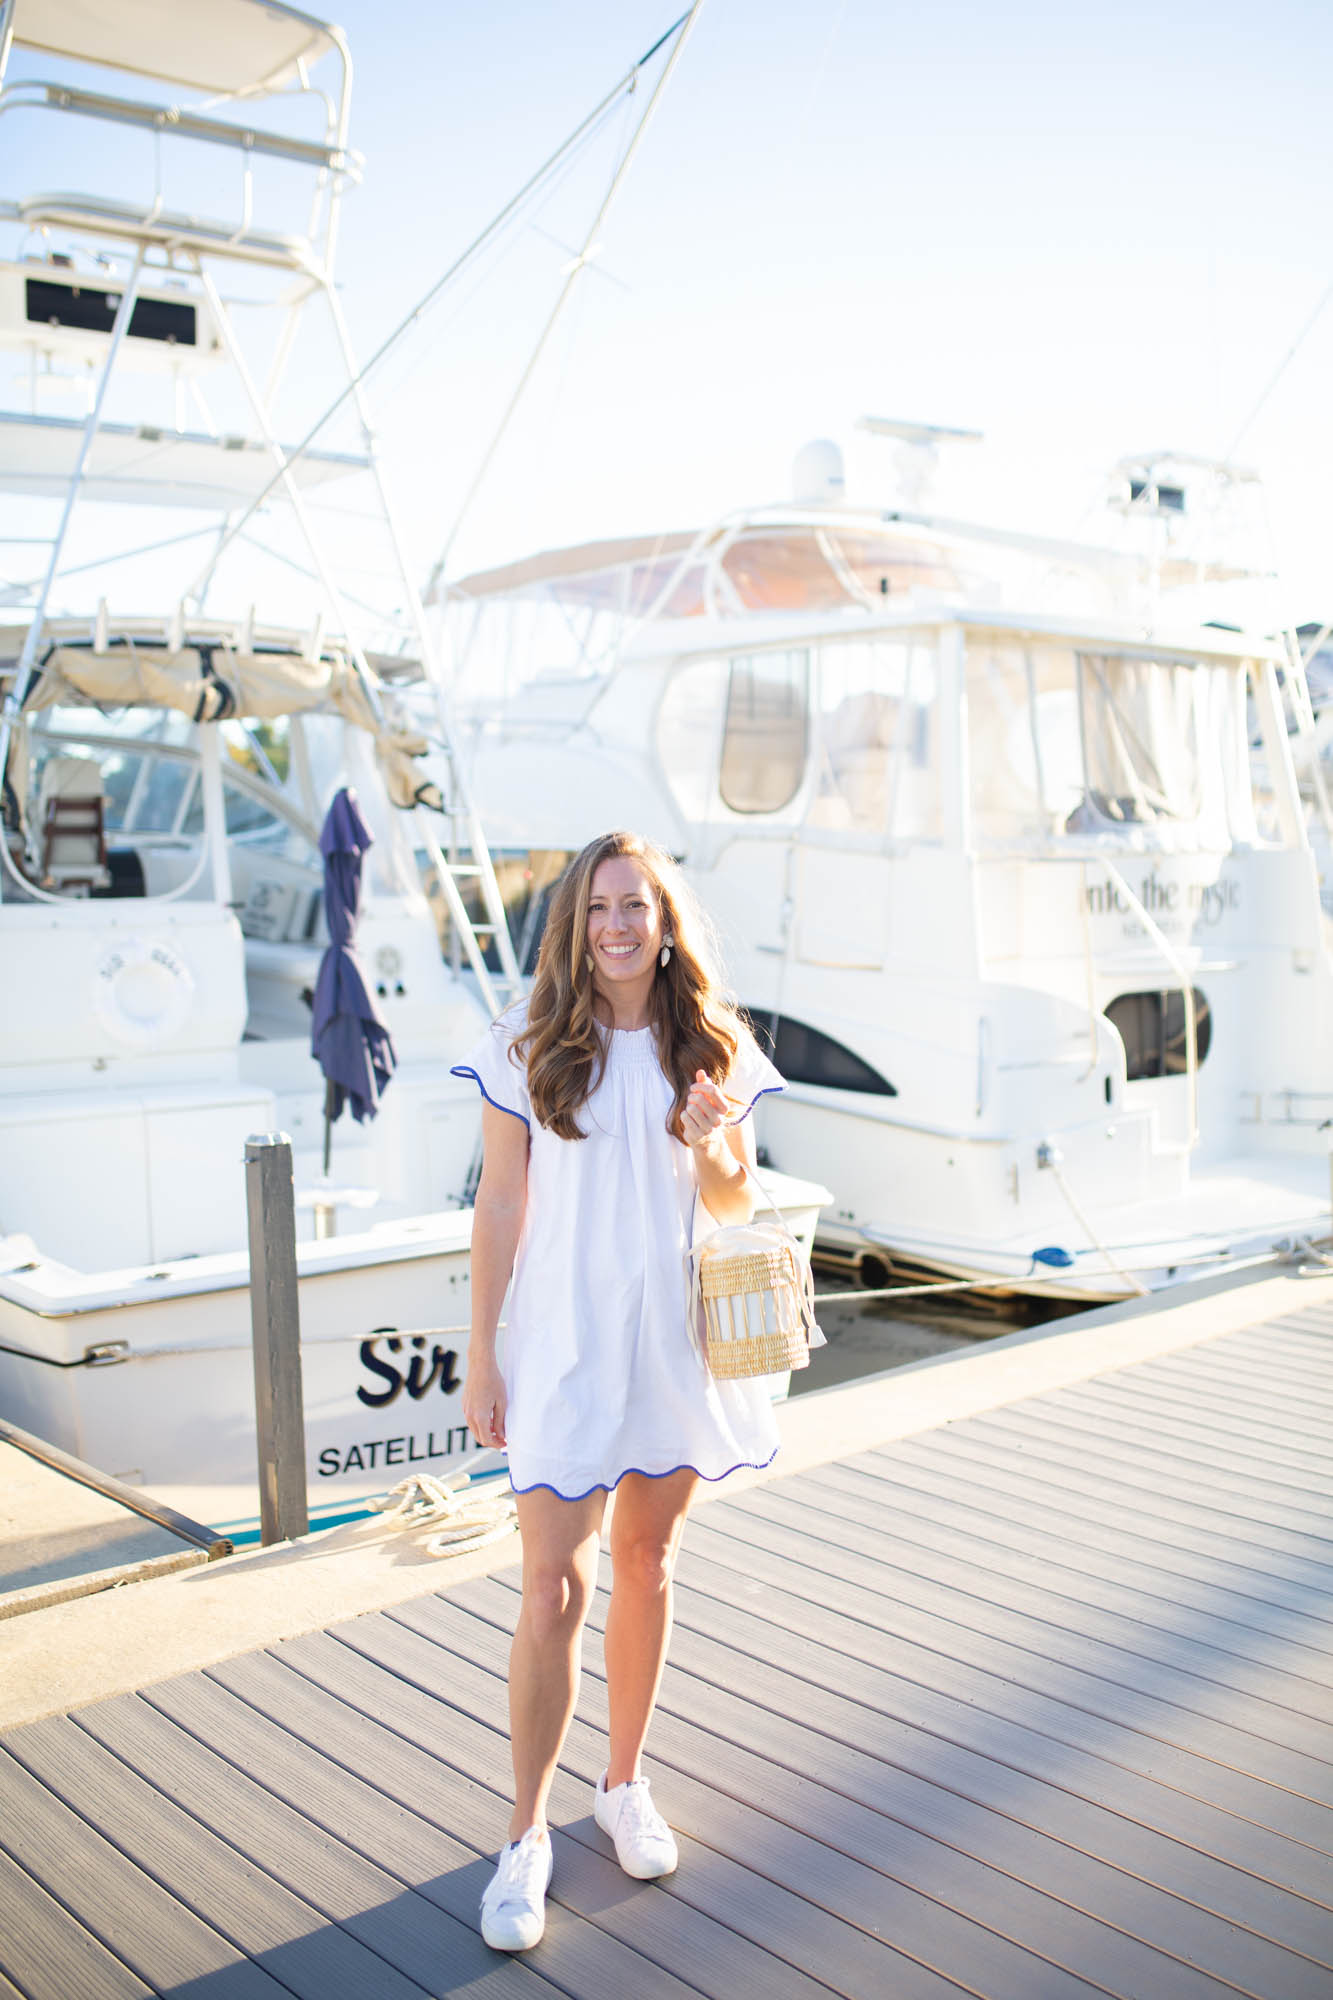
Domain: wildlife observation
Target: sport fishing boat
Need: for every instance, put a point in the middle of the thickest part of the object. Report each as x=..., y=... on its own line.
x=975, y=813
x=168, y=751
x=169, y=747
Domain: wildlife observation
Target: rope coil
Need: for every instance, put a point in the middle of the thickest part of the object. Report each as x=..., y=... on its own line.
x=421, y=1499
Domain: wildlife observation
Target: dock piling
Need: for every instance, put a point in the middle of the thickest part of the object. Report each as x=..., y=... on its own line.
x=276, y=1328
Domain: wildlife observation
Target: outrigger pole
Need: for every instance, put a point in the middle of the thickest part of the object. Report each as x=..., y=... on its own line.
x=575, y=271
x=625, y=83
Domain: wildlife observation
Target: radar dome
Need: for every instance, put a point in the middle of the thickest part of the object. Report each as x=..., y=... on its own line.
x=817, y=477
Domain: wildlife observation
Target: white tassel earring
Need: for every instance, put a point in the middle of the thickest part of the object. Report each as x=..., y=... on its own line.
x=587, y=961
x=664, y=956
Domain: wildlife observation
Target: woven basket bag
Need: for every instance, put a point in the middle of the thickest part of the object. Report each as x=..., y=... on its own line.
x=753, y=1300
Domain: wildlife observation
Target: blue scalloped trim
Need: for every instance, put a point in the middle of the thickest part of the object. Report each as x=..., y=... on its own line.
x=460, y=1069
x=741, y=1465
x=769, y=1090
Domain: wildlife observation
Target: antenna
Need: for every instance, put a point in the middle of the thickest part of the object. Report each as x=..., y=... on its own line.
x=917, y=457
x=920, y=434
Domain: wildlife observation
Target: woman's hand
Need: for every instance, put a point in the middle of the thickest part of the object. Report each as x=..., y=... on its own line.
x=485, y=1402
x=704, y=1114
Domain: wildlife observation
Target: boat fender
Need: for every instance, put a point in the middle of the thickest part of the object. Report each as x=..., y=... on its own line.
x=143, y=991
x=1056, y=1258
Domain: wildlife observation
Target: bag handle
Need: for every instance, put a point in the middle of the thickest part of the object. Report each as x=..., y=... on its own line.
x=767, y=1200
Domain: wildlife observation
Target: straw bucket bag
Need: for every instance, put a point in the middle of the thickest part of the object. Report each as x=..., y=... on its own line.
x=752, y=1300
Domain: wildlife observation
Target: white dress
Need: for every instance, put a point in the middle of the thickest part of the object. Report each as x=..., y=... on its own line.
x=601, y=1375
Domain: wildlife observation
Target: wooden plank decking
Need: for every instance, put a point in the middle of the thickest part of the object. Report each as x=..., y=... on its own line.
x=1033, y=1706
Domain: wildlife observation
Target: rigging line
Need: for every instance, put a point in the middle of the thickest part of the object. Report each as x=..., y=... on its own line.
x=576, y=270
x=290, y=562
x=511, y=208
x=1285, y=363
x=817, y=73
x=503, y=254
x=116, y=556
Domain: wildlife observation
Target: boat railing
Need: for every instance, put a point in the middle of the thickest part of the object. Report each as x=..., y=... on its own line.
x=324, y=156
x=258, y=53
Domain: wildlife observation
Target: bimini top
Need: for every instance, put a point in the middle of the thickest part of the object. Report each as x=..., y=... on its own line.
x=782, y=562
x=242, y=48
x=785, y=559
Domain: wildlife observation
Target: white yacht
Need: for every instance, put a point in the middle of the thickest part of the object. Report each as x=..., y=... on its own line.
x=975, y=813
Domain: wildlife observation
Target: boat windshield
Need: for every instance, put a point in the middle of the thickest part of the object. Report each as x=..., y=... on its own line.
x=1070, y=742
x=843, y=736
x=878, y=739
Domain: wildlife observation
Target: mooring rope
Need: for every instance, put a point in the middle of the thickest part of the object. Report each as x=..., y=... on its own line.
x=421, y=1500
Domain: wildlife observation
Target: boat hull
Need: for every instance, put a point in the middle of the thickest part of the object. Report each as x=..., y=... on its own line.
x=149, y=1375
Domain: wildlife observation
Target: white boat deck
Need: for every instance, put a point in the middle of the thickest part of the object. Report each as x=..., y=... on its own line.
x=1031, y=1703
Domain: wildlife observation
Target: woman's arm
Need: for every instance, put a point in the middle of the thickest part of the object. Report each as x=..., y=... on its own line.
x=721, y=1152
x=497, y=1220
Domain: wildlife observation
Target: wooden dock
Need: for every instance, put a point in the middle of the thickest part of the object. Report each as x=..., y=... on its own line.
x=1030, y=1706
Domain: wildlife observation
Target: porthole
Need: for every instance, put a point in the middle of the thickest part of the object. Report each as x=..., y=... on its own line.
x=1152, y=1027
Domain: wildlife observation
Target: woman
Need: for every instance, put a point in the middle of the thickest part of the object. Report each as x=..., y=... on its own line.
x=615, y=1104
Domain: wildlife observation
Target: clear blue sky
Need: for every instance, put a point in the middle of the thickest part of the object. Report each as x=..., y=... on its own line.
x=1080, y=229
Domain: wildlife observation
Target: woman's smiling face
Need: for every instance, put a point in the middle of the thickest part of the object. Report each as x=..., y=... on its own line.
x=624, y=921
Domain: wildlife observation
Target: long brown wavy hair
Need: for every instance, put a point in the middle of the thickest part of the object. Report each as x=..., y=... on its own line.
x=694, y=1025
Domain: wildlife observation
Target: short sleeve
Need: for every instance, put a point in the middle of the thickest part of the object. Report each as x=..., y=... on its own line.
x=750, y=1077
x=501, y=1080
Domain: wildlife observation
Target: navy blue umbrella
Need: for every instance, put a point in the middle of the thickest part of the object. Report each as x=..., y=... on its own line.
x=348, y=1039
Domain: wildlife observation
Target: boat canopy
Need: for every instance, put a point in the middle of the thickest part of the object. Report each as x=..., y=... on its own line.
x=578, y=567
x=788, y=565
x=210, y=683
x=204, y=684
x=239, y=48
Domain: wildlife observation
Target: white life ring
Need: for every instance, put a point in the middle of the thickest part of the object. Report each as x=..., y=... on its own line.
x=142, y=990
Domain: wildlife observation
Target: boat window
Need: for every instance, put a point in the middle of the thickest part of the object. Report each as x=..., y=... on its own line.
x=260, y=745
x=806, y=1055
x=120, y=770
x=135, y=725
x=1066, y=743
x=160, y=791
x=1152, y=1027
x=254, y=825
x=1140, y=731
x=193, y=823
x=252, y=821
x=689, y=722
x=878, y=733
x=1023, y=742
x=247, y=815
x=765, y=733
x=246, y=818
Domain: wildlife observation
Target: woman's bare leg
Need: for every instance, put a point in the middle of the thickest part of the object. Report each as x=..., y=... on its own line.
x=646, y=1527
x=560, y=1542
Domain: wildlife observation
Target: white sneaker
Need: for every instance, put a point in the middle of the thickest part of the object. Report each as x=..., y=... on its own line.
x=513, y=1908
x=645, y=1847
